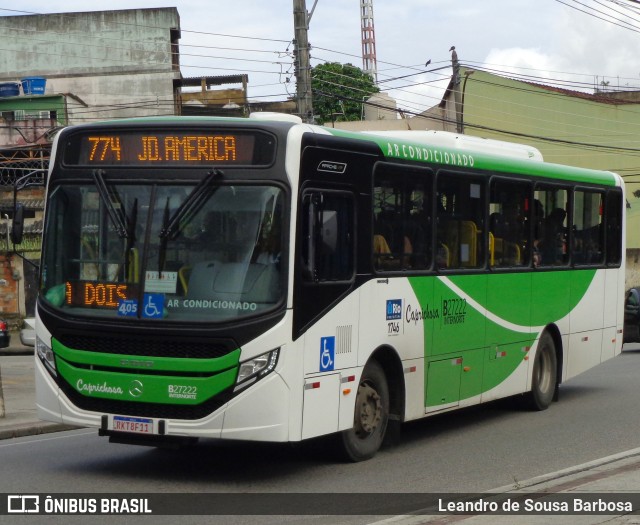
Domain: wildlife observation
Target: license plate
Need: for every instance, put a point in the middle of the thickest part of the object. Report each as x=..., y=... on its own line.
x=136, y=425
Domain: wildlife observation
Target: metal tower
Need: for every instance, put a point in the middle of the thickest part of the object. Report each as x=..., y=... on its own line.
x=369, y=63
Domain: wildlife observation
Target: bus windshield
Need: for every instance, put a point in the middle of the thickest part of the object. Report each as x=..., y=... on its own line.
x=177, y=252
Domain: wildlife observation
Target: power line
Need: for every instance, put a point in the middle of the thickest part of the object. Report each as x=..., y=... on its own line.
x=542, y=138
x=636, y=30
x=499, y=111
x=283, y=63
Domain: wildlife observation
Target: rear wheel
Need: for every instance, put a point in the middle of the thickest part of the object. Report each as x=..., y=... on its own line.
x=371, y=415
x=544, y=382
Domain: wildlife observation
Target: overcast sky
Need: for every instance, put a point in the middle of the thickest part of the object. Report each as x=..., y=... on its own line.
x=544, y=39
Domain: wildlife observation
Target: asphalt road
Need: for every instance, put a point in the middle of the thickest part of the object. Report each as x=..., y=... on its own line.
x=472, y=450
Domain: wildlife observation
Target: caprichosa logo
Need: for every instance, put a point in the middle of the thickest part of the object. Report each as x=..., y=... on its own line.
x=418, y=315
x=97, y=388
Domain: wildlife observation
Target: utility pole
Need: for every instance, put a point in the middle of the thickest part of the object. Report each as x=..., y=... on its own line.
x=302, y=60
x=455, y=65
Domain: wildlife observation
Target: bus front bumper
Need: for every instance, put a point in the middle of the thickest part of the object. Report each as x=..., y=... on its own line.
x=260, y=413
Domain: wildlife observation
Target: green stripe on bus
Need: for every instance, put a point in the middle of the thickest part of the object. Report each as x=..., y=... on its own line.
x=145, y=388
x=486, y=325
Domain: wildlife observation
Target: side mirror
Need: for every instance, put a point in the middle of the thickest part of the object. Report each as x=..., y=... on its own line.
x=17, y=227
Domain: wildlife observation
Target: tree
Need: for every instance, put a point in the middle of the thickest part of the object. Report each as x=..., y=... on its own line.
x=339, y=91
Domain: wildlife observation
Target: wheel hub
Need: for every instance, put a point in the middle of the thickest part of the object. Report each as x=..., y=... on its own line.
x=368, y=412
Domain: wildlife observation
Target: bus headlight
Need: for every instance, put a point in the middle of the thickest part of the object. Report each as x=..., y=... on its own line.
x=46, y=356
x=256, y=368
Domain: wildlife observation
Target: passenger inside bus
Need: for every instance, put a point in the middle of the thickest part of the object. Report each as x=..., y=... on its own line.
x=507, y=228
x=554, y=242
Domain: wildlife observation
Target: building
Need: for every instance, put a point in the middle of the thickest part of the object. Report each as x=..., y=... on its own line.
x=126, y=70
x=129, y=68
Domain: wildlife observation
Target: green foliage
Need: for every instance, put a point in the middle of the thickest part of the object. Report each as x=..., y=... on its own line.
x=338, y=91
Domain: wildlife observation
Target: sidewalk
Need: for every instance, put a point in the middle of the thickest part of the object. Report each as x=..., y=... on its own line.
x=614, y=478
x=19, y=395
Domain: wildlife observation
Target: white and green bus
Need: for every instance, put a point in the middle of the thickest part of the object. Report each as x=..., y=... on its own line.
x=263, y=279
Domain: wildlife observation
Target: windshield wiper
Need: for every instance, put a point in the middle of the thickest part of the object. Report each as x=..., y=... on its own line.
x=118, y=218
x=131, y=238
x=194, y=201
x=191, y=205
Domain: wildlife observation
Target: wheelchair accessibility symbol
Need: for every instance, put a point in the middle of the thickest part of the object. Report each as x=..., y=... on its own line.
x=153, y=305
x=327, y=353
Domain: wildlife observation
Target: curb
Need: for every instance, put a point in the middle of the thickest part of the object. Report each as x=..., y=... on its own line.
x=561, y=481
x=34, y=429
x=16, y=351
x=546, y=481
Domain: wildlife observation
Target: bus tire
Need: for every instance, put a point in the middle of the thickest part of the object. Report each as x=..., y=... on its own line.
x=544, y=379
x=371, y=415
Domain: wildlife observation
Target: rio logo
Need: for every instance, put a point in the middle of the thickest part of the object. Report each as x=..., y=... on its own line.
x=394, y=314
x=394, y=309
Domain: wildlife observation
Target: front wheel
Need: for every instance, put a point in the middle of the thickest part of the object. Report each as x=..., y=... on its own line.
x=371, y=415
x=543, y=383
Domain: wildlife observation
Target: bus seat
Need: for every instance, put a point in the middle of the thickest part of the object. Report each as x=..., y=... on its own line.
x=462, y=239
x=388, y=260
x=492, y=249
x=254, y=283
x=382, y=251
x=202, y=279
x=380, y=244
x=443, y=256
x=468, y=243
x=504, y=253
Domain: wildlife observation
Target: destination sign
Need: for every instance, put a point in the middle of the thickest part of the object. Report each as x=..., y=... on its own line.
x=96, y=294
x=144, y=148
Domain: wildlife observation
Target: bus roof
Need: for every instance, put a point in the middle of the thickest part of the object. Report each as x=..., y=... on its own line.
x=464, y=142
x=474, y=152
x=424, y=146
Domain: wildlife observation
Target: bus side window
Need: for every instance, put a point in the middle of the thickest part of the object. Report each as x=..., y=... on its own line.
x=401, y=218
x=588, y=232
x=554, y=233
x=508, y=223
x=328, y=236
x=460, y=216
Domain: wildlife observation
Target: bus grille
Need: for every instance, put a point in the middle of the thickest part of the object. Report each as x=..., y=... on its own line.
x=147, y=347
